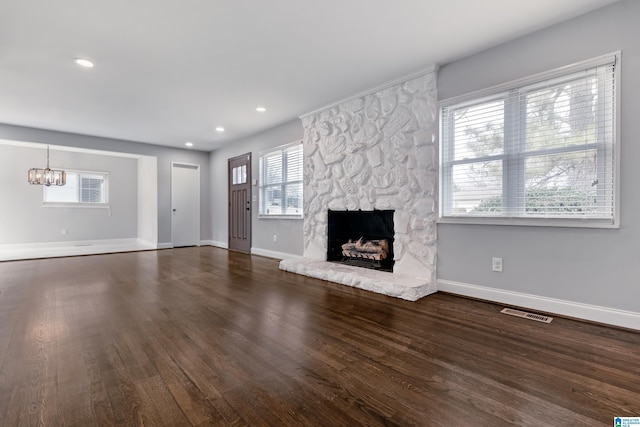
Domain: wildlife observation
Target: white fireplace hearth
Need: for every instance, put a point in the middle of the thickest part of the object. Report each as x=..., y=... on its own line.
x=375, y=152
x=392, y=284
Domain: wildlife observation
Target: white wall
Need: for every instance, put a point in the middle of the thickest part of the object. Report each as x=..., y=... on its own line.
x=289, y=231
x=23, y=219
x=584, y=266
x=164, y=156
x=148, y=199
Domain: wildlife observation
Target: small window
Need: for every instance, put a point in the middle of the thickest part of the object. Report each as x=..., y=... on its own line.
x=540, y=153
x=82, y=189
x=239, y=174
x=281, y=181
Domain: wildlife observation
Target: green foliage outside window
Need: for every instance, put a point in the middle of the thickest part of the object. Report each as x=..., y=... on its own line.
x=542, y=200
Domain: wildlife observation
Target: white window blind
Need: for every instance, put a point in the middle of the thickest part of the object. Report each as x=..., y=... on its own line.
x=82, y=188
x=543, y=149
x=91, y=189
x=280, y=189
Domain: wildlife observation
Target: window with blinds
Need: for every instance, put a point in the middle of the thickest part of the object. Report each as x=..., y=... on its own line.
x=82, y=189
x=280, y=188
x=542, y=149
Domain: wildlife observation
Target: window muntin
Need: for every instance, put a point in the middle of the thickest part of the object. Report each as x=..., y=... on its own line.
x=83, y=188
x=539, y=150
x=280, y=189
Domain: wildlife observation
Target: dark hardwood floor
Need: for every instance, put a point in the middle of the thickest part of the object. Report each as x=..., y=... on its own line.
x=202, y=336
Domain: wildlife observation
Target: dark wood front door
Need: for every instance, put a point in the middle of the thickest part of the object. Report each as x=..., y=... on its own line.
x=240, y=203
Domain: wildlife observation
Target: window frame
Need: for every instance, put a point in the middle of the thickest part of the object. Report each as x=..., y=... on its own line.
x=509, y=174
x=78, y=204
x=283, y=182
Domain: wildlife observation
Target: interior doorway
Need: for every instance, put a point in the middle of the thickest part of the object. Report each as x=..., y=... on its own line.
x=240, y=203
x=185, y=204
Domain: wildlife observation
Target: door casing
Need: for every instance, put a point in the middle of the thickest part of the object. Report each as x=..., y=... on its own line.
x=178, y=237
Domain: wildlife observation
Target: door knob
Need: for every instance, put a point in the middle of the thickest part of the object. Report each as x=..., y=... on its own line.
x=174, y=210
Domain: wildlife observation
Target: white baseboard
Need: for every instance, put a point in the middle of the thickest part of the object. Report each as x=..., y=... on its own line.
x=272, y=254
x=148, y=243
x=22, y=251
x=594, y=313
x=219, y=244
x=169, y=245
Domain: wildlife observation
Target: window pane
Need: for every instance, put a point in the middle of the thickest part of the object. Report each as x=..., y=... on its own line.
x=239, y=175
x=293, y=199
x=65, y=194
x=479, y=130
x=562, y=184
x=273, y=168
x=272, y=198
x=91, y=189
x=477, y=188
x=294, y=163
x=562, y=115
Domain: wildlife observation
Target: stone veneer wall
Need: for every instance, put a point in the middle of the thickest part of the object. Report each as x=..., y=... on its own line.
x=378, y=151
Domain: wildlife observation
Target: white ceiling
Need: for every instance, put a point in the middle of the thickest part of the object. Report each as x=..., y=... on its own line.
x=170, y=71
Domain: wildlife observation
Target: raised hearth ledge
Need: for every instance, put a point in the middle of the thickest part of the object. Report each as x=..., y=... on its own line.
x=392, y=284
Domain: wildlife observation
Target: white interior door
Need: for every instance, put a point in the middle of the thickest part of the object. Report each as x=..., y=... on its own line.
x=185, y=204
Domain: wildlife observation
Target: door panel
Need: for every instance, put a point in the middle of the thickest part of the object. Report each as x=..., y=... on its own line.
x=240, y=203
x=185, y=205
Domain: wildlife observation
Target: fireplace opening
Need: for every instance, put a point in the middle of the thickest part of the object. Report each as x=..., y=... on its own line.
x=361, y=238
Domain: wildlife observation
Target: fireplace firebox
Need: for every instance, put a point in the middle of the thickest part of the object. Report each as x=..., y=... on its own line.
x=361, y=238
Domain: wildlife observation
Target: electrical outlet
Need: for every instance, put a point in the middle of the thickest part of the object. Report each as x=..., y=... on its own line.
x=496, y=264
x=63, y=231
x=275, y=237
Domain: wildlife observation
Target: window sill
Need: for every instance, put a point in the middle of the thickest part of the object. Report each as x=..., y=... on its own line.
x=280, y=216
x=76, y=205
x=532, y=222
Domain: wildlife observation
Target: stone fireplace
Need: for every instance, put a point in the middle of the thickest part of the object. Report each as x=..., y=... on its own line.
x=375, y=152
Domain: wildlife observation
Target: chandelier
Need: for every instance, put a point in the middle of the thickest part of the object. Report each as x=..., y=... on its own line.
x=47, y=176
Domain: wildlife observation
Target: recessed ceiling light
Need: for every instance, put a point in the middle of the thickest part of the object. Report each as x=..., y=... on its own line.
x=219, y=129
x=261, y=109
x=189, y=144
x=83, y=62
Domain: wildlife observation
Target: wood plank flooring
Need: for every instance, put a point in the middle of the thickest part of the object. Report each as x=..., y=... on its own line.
x=203, y=336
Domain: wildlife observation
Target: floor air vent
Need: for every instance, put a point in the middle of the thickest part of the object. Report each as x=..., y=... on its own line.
x=524, y=314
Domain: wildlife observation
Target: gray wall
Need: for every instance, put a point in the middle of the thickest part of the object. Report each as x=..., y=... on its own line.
x=289, y=231
x=165, y=156
x=23, y=219
x=591, y=266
